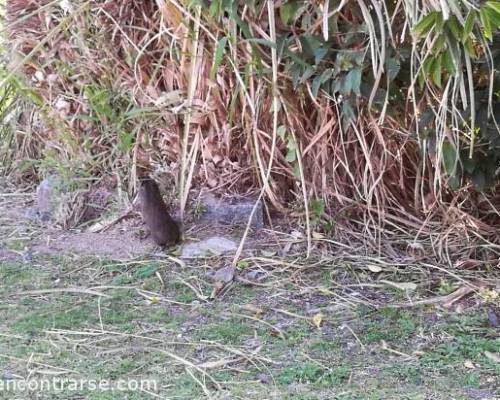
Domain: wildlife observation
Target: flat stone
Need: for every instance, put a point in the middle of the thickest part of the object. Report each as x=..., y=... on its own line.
x=216, y=245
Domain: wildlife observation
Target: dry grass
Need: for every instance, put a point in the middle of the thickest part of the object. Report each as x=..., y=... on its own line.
x=133, y=87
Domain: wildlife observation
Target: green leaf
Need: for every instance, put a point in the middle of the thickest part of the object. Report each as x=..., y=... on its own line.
x=427, y=67
x=450, y=157
x=264, y=42
x=436, y=70
x=290, y=156
x=454, y=182
x=315, y=85
x=319, y=54
x=468, y=25
x=421, y=79
x=425, y=25
x=307, y=74
x=448, y=62
x=469, y=47
x=438, y=44
x=219, y=52
x=478, y=179
x=347, y=111
x=281, y=131
x=493, y=16
x=295, y=73
x=326, y=75
x=214, y=8
x=317, y=207
x=282, y=41
x=454, y=28
x=469, y=165
x=291, y=144
x=146, y=271
x=242, y=264
x=125, y=141
x=392, y=67
x=320, y=80
x=288, y=11
x=485, y=21
x=310, y=44
x=494, y=6
x=353, y=81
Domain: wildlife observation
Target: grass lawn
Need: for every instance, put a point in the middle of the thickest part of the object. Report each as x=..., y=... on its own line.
x=311, y=337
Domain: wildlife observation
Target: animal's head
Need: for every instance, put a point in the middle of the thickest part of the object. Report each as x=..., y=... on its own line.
x=148, y=186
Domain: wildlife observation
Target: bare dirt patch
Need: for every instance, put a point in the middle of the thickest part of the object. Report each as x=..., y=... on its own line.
x=21, y=231
x=124, y=240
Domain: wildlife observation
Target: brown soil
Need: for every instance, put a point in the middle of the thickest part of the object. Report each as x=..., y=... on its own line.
x=121, y=241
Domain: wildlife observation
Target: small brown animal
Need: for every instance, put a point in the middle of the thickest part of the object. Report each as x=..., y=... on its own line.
x=163, y=228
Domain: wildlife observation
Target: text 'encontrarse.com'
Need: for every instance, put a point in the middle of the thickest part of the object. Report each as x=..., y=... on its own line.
x=61, y=385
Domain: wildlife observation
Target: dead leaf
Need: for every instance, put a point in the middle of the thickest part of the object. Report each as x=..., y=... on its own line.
x=318, y=235
x=325, y=291
x=401, y=285
x=456, y=295
x=374, y=268
x=446, y=301
x=467, y=264
x=253, y=309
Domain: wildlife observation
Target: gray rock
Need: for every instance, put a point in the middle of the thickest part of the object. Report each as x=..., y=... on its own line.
x=7, y=375
x=215, y=245
x=264, y=378
x=252, y=275
x=231, y=211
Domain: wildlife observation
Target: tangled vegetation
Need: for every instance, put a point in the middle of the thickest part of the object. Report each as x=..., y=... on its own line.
x=383, y=111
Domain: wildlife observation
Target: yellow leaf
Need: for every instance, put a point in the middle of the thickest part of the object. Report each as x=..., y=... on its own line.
x=490, y=296
x=257, y=312
x=153, y=300
x=318, y=235
x=317, y=320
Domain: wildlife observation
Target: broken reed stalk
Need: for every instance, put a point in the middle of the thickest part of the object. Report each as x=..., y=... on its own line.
x=185, y=177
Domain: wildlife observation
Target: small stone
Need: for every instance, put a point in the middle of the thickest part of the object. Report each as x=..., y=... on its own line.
x=7, y=375
x=216, y=245
x=225, y=274
x=28, y=257
x=493, y=318
x=252, y=275
x=263, y=378
x=39, y=76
